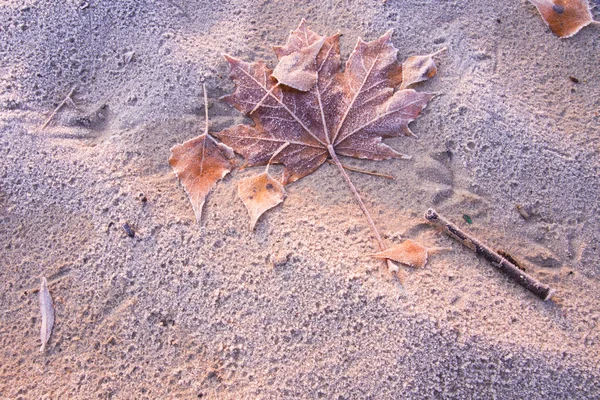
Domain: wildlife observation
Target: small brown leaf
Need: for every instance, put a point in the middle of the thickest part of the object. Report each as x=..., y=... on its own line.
x=408, y=252
x=418, y=69
x=564, y=17
x=259, y=194
x=47, y=310
x=199, y=164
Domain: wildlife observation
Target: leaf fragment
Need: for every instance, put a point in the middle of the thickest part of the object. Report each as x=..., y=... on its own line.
x=408, y=252
x=298, y=70
x=564, y=17
x=259, y=194
x=418, y=69
x=47, y=311
x=199, y=164
x=299, y=38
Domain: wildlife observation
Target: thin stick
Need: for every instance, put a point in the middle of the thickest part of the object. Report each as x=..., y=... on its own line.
x=439, y=51
x=57, y=109
x=205, y=109
x=364, y=209
x=541, y=290
x=362, y=171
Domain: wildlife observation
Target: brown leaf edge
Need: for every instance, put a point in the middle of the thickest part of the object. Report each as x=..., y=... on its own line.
x=565, y=18
x=408, y=253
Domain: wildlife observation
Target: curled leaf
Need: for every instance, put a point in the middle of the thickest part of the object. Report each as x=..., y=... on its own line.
x=259, y=194
x=199, y=164
x=418, y=69
x=564, y=17
x=298, y=70
x=47, y=310
x=408, y=252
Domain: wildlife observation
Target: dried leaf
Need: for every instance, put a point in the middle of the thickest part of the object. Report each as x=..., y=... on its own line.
x=564, y=17
x=47, y=310
x=408, y=252
x=199, y=164
x=418, y=69
x=128, y=57
x=260, y=193
x=347, y=113
x=298, y=39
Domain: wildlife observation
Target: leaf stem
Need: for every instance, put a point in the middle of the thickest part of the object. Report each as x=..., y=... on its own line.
x=364, y=209
x=205, y=109
x=57, y=109
x=362, y=171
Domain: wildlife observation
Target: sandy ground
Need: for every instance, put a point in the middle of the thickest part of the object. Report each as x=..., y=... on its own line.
x=294, y=309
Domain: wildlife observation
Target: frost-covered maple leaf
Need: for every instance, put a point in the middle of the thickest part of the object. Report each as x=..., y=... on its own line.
x=309, y=109
x=344, y=113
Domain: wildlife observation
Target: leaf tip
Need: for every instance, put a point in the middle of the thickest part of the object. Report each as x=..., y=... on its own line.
x=388, y=35
x=408, y=252
x=231, y=60
x=198, y=212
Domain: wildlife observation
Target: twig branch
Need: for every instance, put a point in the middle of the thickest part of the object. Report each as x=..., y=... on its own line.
x=362, y=171
x=57, y=109
x=541, y=290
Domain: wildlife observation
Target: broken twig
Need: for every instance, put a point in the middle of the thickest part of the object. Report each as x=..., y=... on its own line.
x=57, y=109
x=541, y=290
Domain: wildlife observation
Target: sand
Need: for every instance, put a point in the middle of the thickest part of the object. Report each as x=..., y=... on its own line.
x=295, y=309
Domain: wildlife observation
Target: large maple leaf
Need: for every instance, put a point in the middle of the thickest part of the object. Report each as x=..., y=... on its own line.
x=342, y=113
x=309, y=109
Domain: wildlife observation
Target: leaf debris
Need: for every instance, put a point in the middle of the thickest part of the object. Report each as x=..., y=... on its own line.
x=47, y=310
x=408, y=252
x=309, y=109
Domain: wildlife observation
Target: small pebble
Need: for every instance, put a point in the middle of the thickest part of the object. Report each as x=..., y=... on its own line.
x=522, y=211
x=130, y=232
